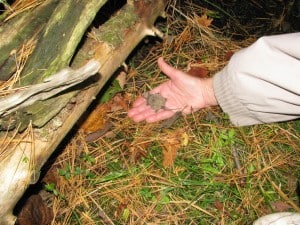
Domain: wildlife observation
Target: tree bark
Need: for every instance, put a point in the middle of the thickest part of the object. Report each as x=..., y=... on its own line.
x=17, y=31
x=112, y=44
x=54, y=51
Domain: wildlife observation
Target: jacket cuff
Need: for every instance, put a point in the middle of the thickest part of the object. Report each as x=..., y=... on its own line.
x=229, y=102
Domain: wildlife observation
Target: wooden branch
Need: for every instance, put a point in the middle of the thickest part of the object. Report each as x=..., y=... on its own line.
x=51, y=86
x=24, y=159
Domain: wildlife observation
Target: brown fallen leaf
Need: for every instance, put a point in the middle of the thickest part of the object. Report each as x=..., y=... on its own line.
x=122, y=206
x=184, y=37
x=35, y=212
x=96, y=120
x=197, y=70
x=119, y=102
x=220, y=206
x=203, y=20
x=97, y=123
x=99, y=133
x=228, y=55
x=138, y=147
x=280, y=206
x=171, y=143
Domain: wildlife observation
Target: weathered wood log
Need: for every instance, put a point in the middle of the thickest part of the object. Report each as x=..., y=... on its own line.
x=24, y=158
x=19, y=30
x=54, y=51
x=51, y=86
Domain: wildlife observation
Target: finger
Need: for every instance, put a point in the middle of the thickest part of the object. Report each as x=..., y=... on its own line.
x=138, y=110
x=132, y=112
x=143, y=115
x=162, y=115
x=168, y=70
x=139, y=101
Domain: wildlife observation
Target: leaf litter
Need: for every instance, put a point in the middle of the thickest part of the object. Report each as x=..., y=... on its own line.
x=184, y=173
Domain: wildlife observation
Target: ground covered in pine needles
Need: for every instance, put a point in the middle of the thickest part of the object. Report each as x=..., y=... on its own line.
x=198, y=169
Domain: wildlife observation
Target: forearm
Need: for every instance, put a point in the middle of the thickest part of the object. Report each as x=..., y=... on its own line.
x=261, y=83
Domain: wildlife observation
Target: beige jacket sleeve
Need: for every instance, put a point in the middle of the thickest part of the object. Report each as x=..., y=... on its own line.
x=261, y=83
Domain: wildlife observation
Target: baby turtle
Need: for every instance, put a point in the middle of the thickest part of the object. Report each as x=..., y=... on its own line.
x=155, y=101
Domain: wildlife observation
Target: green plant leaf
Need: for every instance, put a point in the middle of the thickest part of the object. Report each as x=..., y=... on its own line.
x=111, y=91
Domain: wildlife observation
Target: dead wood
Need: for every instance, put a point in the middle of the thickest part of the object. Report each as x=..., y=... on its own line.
x=17, y=31
x=51, y=86
x=54, y=50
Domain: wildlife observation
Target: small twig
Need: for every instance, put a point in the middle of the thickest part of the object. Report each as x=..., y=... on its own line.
x=238, y=165
x=102, y=213
x=236, y=159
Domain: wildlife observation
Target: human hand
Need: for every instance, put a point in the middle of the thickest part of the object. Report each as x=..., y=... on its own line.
x=182, y=92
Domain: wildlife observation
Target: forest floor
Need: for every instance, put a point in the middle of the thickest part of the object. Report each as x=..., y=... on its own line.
x=200, y=169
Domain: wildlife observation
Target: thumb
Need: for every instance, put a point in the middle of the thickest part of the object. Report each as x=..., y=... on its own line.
x=168, y=70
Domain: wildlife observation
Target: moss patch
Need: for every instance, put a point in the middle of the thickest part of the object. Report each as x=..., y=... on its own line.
x=110, y=31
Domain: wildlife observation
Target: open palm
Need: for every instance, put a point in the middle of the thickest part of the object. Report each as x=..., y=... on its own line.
x=182, y=92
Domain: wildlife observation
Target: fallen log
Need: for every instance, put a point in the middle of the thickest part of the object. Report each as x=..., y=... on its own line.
x=17, y=31
x=24, y=154
x=54, y=51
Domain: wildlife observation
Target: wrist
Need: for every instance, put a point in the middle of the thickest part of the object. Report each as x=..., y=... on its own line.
x=209, y=93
